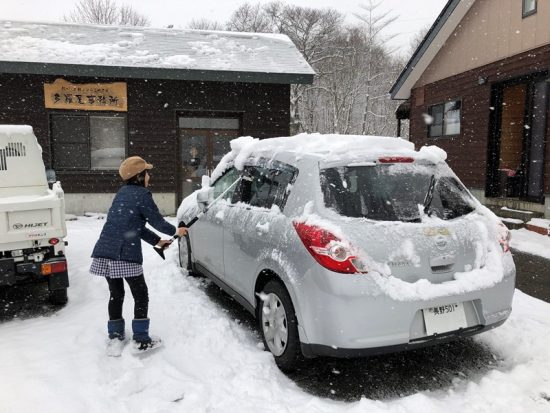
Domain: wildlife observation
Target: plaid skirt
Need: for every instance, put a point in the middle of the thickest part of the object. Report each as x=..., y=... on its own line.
x=105, y=267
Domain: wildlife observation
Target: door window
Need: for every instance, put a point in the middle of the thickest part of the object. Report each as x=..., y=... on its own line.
x=203, y=143
x=267, y=186
x=224, y=182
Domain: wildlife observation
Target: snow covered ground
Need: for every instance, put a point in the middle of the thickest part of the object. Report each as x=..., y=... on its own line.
x=214, y=363
x=531, y=242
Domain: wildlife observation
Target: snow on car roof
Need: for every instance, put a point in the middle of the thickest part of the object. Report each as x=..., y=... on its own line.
x=327, y=148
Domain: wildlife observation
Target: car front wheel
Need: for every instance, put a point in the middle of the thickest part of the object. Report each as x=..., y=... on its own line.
x=279, y=325
x=184, y=247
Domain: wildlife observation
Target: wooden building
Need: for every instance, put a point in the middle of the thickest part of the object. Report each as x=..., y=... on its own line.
x=478, y=86
x=97, y=94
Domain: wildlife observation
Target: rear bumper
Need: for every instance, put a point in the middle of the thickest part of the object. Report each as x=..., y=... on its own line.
x=348, y=316
x=12, y=273
x=314, y=350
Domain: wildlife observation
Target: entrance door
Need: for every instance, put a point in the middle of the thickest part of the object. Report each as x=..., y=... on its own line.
x=511, y=168
x=202, y=142
x=516, y=146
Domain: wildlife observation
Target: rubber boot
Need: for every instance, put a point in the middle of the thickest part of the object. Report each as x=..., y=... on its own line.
x=115, y=345
x=115, y=328
x=140, y=327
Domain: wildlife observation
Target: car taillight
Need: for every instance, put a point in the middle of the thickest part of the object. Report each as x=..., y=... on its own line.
x=504, y=237
x=396, y=159
x=328, y=250
x=54, y=241
x=54, y=267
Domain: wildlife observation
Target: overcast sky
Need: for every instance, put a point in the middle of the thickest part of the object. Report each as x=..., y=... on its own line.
x=413, y=14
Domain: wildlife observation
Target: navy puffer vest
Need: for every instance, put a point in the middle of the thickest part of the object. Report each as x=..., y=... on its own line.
x=124, y=229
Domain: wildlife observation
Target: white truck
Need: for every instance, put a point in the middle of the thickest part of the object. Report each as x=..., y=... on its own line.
x=32, y=216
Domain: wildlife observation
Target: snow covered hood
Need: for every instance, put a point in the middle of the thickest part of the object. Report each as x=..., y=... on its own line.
x=166, y=53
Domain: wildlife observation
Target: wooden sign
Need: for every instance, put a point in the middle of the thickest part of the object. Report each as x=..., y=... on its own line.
x=86, y=96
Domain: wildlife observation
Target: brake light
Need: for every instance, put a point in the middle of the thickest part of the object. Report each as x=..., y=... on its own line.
x=328, y=250
x=54, y=267
x=504, y=237
x=396, y=159
x=54, y=241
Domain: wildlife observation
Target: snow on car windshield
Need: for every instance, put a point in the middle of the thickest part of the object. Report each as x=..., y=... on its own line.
x=395, y=192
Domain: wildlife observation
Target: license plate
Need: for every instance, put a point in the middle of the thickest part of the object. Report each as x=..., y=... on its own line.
x=444, y=318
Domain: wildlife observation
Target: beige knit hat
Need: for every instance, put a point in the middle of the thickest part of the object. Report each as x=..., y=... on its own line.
x=132, y=166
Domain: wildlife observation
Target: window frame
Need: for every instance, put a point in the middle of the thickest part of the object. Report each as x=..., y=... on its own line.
x=526, y=13
x=88, y=114
x=444, y=135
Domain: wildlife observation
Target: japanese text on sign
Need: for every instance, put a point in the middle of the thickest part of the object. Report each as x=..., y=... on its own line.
x=87, y=96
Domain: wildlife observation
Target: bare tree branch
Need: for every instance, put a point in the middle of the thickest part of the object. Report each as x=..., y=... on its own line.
x=105, y=12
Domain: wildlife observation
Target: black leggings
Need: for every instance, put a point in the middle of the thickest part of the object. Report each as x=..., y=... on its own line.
x=139, y=292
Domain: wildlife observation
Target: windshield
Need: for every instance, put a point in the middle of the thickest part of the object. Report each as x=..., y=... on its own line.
x=394, y=192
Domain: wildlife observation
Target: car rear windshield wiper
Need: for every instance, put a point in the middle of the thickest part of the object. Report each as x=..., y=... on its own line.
x=429, y=196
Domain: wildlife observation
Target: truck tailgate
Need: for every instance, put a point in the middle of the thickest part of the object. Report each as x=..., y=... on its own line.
x=24, y=219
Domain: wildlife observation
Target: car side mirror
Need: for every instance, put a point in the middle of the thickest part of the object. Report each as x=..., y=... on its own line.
x=51, y=177
x=205, y=181
x=204, y=197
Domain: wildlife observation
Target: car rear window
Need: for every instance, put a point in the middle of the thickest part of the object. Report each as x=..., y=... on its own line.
x=394, y=192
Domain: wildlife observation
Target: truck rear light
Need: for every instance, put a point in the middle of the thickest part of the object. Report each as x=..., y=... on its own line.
x=328, y=250
x=504, y=237
x=53, y=267
x=54, y=241
x=396, y=159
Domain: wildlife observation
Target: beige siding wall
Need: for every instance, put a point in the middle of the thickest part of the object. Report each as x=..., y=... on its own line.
x=491, y=31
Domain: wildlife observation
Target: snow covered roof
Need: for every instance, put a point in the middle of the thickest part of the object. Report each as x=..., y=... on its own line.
x=445, y=24
x=95, y=50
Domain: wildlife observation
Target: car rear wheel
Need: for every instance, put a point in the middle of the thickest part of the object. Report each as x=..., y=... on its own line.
x=279, y=325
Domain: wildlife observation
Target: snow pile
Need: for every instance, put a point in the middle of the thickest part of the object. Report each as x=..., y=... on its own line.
x=540, y=222
x=531, y=242
x=212, y=363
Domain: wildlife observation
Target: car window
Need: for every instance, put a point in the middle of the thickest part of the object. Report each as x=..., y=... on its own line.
x=268, y=185
x=393, y=192
x=224, y=182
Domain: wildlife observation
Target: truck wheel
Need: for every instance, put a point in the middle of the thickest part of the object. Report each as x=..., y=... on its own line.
x=279, y=325
x=58, y=297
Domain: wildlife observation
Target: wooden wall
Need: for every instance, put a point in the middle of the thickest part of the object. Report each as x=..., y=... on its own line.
x=153, y=106
x=467, y=153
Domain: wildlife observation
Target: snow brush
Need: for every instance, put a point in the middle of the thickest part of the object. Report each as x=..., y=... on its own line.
x=160, y=250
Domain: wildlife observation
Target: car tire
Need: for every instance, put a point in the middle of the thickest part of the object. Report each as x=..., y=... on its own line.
x=58, y=297
x=275, y=316
x=184, y=247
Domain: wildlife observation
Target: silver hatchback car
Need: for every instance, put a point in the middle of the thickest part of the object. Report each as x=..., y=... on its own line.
x=348, y=246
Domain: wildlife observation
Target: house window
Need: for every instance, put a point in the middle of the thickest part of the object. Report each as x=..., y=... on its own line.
x=445, y=119
x=88, y=142
x=529, y=7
